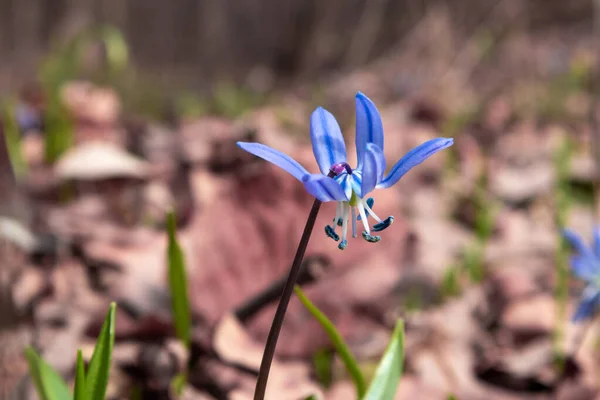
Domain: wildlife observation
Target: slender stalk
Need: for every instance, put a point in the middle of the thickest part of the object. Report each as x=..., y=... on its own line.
x=265, y=365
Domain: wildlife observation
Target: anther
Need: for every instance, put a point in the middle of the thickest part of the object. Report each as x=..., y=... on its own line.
x=369, y=238
x=342, y=244
x=383, y=224
x=331, y=233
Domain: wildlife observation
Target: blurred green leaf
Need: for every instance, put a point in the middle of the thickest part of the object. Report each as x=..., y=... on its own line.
x=99, y=369
x=451, y=282
x=58, y=130
x=473, y=258
x=338, y=342
x=178, y=383
x=178, y=284
x=13, y=137
x=322, y=361
x=48, y=383
x=117, y=51
x=385, y=383
x=79, y=389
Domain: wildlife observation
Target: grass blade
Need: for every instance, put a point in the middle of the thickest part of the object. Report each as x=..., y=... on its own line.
x=337, y=341
x=99, y=368
x=79, y=389
x=389, y=371
x=48, y=383
x=178, y=284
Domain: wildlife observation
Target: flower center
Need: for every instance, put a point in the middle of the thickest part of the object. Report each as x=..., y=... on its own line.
x=340, y=168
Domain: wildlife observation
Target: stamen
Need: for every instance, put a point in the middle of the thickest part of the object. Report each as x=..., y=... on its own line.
x=371, y=239
x=361, y=210
x=353, y=209
x=330, y=231
x=383, y=225
x=370, y=203
x=338, y=215
x=370, y=211
x=343, y=243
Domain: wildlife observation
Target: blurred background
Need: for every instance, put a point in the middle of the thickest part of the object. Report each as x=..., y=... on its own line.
x=115, y=112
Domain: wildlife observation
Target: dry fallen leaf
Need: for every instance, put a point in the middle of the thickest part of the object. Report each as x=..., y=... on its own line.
x=94, y=161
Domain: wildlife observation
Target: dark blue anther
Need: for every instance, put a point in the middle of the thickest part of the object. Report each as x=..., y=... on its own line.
x=342, y=244
x=339, y=168
x=369, y=238
x=370, y=203
x=383, y=224
x=340, y=222
x=330, y=232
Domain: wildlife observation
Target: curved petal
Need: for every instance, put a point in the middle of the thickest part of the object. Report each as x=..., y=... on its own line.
x=324, y=188
x=413, y=158
x=586, y=268
x=372, y=169
x=369, y=128
x=275, y=157
x=577, y=243
x=327, y=140
x=588, y=305
x=597, y=241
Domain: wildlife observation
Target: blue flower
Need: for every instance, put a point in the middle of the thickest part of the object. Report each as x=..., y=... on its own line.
x=585, y=264
x=338, y=181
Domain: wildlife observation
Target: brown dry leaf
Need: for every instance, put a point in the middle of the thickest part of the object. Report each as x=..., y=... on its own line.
x=516, y=185
x=99, y=160
x=287, y=380
x=531, y=314
x=233, y=344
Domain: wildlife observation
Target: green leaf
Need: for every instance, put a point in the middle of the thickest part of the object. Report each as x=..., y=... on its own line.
x=178, y=383
x=117, y=51
x=12, y=136
x=338, y=342
x=178, y=284
x=79, y=389
x=323, y=362
x=99, y=368
x=48, y=383
x=385, y=383
x=58, y=130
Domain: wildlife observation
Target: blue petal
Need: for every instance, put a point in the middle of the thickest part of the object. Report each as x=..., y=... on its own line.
x=347, y=183
x=586, y=268
x=413, y=158
x=327, y=140
x=597, y=241
x=577, y=243
x=588, y=304
x=369, y=128
x=373, y=168
x=324, y=188
x=276, y=157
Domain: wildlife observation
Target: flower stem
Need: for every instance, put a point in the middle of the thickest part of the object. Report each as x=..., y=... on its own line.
x=265, y=365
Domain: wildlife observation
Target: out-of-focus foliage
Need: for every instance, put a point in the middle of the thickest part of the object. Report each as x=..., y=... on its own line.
x=178, y=284
x=338, y=342
x=96, y=378
x=48, y=383
x=385, y=383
